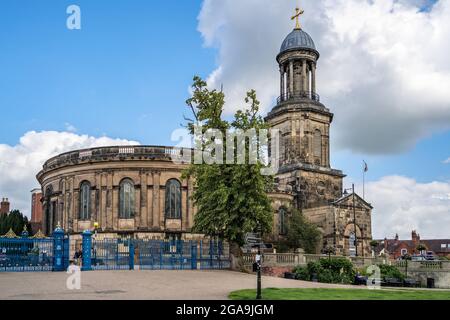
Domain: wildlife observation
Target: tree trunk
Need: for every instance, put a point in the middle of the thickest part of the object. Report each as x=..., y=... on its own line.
x=236, y=256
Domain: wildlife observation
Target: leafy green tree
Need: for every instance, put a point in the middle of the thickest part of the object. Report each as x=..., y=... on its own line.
x=302, y=233
x=15, y=220
x=231, y=199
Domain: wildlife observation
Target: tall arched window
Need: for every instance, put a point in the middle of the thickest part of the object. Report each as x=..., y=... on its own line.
x=173, y=199
x=85, y=201
x=317, y=144
x=126, y=199
x=283, y=217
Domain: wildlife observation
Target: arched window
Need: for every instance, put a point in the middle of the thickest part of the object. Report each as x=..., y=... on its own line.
x=283, y=217
x=126, y=199
x=173, y=199
x=85, y=201
x=317, y=144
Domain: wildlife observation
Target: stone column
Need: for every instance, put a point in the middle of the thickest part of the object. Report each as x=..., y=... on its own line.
x=190, y=215
x=137, y=205
x=96, y=212
x=184, y=205
x=115, y=208
x=291, y=77
x=72, y=203
x=76, y=209
x=281, y=81
x=109, y=201
x=92, y=200
x=313, y=77
x=150, y=200
x=156, y=207
x=103, y=200
x=144, y=208
x=305, y=88
x=308, y=83
x=66, y=209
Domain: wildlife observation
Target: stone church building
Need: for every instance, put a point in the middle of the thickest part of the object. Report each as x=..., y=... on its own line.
x=138, y=190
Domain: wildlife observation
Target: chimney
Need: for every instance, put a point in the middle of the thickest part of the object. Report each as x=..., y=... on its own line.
x=396, y=237
x=4, y=206
x=415, y=237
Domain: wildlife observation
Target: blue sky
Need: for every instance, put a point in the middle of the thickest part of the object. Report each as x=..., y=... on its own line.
x=126, y=75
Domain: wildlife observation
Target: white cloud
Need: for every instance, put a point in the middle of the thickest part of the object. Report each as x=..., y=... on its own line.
x=70, y=127
x=402, y=205
x=19, y=164
x=446, y=161
x=384, y=68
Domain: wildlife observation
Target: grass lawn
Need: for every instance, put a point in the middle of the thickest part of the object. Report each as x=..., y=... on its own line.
x=342, y=294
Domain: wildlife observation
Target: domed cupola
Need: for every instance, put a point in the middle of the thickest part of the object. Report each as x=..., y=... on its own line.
x=298, y=40
x=298, y=60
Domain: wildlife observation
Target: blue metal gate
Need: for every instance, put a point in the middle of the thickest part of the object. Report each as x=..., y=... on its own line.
x=26, y=254
x=164, y=255
x=111, y=254
x=39, y=253
x=145, y=254
x=181, y=255
x=213, y=254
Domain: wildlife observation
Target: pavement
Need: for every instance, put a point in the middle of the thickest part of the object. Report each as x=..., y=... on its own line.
x=139, y=285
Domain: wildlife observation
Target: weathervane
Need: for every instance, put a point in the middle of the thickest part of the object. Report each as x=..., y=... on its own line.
x=298, y=13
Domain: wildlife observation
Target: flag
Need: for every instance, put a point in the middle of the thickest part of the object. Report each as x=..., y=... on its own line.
x=366, y=168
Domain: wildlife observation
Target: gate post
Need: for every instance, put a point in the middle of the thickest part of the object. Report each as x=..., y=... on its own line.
x=87, y=249
x=58, y=249
x=193, y=255
x=131, y=254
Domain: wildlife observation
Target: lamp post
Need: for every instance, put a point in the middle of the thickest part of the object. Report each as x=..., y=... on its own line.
x=354, y=215
x=259, y=266
x=296, y=188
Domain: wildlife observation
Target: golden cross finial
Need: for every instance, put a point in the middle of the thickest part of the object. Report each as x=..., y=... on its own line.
x=298, y=13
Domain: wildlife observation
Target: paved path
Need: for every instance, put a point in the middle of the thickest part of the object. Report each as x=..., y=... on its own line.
x=138, y=285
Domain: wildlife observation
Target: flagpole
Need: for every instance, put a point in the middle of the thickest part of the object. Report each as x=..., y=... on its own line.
x=365, y=169
x=364, y=183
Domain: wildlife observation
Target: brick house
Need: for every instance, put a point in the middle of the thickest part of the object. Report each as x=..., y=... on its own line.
x=397, y=248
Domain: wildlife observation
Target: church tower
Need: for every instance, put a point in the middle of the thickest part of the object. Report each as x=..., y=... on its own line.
x=304, y=124
x=305, y=179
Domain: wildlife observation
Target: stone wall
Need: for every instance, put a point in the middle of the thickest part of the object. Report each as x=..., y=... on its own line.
x=441, y=278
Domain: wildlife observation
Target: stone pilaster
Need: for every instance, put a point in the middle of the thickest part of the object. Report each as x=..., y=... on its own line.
x=156, y=195
x=143, y=196
x=109, y=201
x=103, y=200
x=291, y=77
x=313, y=77
x=305, y=87
x=191, y=212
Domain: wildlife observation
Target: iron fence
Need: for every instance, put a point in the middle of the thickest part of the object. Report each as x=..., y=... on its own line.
x=24, y=254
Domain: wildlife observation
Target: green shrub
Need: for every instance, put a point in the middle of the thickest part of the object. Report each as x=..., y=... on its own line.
x=336, y=270
x=301, y=273
x=390, y=272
